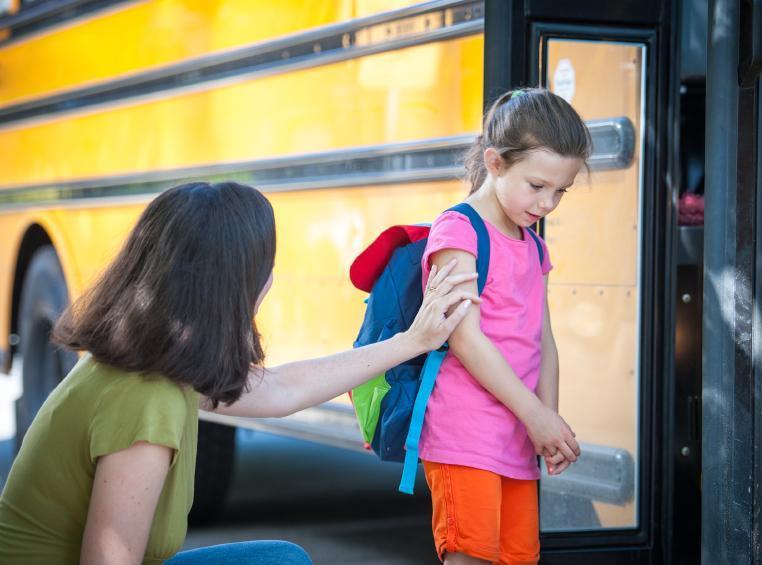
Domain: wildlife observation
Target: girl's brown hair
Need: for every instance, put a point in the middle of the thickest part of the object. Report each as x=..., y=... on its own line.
x=524, y=120
x=180, y=296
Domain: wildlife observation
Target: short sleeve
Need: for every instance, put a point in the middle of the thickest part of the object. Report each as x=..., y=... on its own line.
x=137, y=408
x=547, y=266
x=451, y=230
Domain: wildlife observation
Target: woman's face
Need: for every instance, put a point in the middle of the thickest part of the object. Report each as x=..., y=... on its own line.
x=264, y=292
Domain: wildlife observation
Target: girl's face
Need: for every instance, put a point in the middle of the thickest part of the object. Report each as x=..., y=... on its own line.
x=264, y=292
x=531, y=188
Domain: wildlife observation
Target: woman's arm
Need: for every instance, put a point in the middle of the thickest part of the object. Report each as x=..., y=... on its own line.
x=487, y=365
x=286, y=389
x=125, y=493
x=547, y=386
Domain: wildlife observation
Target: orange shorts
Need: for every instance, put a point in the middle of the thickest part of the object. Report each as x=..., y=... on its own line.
x=483, y=514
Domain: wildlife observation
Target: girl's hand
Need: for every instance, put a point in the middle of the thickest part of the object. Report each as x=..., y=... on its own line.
x=556, y=463
x=432, y=326
x=550, y=434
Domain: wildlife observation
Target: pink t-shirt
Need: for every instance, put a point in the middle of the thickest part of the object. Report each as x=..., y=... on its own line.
x=465, y=424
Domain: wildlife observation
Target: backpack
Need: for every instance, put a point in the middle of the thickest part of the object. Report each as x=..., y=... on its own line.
x=390, y=408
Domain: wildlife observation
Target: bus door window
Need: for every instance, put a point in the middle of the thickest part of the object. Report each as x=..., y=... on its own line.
x=595, y=289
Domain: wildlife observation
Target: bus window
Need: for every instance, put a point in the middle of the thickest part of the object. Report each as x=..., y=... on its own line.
x=594, y=292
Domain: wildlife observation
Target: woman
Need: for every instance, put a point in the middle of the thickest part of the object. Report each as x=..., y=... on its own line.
x=105, y=472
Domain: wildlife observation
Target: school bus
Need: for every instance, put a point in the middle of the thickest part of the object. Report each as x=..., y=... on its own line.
x=353, y=115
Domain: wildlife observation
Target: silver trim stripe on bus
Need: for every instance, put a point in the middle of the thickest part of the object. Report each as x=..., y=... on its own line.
x=389, y=31
x=605, y=474
x=415, y=161
x=37, y=17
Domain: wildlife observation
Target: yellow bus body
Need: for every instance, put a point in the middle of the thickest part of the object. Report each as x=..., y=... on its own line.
x=422, y=91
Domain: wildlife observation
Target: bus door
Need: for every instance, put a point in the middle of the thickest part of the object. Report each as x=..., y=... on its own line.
x=609, y=290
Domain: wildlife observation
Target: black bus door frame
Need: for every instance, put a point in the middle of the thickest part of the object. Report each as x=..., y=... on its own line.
x=731, y=517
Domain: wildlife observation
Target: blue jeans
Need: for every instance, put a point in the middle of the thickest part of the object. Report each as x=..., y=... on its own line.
x=244, y=553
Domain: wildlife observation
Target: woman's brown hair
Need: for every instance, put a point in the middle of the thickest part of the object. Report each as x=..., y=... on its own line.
x=525, y=120
x=180, y=296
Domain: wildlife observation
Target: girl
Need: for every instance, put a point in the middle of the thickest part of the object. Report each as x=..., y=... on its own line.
x=494, y=406
x=105, y=472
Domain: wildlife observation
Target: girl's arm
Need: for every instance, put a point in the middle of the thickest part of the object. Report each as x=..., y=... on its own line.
x=546, y=429
x=283, y=390
x=547, y=386
x=125, y=493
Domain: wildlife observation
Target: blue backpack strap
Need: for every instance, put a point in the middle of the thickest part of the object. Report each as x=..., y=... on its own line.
x=435, y=358
x=536, y=238
x=482, y=241
x=428, y=377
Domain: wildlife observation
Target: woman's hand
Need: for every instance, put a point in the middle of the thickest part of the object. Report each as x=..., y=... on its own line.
x=432, y=326
x=552, y=438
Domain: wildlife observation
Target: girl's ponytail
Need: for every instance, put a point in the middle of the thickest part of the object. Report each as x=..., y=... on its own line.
x=524, y=120
x=476, y=172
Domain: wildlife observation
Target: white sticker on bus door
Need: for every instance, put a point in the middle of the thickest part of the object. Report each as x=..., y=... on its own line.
x=564, y=80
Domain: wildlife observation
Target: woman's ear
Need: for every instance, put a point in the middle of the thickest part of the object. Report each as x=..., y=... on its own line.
x=493, y=162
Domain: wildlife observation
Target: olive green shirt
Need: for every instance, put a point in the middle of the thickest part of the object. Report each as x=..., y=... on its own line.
x=96, y=410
